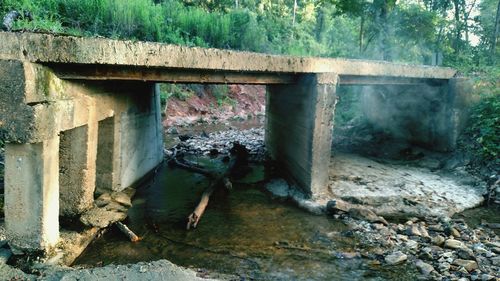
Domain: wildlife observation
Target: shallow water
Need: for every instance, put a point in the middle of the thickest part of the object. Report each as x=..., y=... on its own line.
x=243, y=232
x=482, y=215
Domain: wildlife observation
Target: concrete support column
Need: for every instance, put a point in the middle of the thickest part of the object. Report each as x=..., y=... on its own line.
x=299, y=127
x=77, y=156
x=32, y=194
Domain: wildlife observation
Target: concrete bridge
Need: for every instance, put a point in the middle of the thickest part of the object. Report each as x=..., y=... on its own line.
x=82, y=115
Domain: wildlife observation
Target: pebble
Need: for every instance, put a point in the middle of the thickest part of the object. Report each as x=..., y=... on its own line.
x=466, y=253
x=424, y=268
x=252, y=139
x=487, y=277
x=438, y=240
x=172, y=131
x=469, y=265
x=396, y=258
x=412, y=244
x=453, y=244
x=417, y=230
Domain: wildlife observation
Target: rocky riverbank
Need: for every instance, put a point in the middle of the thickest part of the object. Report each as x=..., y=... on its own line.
x=440, y=247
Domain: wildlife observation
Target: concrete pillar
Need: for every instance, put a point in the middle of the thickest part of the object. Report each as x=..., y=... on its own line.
x=32, y=194
x=140, y=136
x=77, y=157
x=105, y=155
x=299, y=127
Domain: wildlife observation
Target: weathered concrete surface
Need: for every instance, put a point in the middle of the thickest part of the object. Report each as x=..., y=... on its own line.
x=95, y=51
x=299, y=127
x=77, y=169
x=51, y=129
x=32, y=194
x=426, y=114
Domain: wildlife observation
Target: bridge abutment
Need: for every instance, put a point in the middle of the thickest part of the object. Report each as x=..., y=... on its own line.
x=299, y=127
x=56, y=129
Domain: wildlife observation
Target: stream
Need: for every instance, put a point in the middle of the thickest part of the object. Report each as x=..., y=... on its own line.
x=243, y=233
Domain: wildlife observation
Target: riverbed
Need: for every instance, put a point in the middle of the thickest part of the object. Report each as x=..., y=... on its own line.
x=244, y=233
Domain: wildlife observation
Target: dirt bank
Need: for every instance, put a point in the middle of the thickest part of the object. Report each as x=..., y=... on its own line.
x=204, y=104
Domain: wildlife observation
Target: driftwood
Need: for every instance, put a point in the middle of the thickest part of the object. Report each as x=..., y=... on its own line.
x=239, y=158
x=195, y=216
x=129, y=233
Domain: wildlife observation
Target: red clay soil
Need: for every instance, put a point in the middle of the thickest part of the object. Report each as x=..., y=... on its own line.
x=245, y=101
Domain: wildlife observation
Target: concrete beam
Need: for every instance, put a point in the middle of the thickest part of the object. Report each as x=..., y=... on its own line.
x=32, y=194
x=134, y=73
x=351, y=80
x=299, y=127
x=45, y=48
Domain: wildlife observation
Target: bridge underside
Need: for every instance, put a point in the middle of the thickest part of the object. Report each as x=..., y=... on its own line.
x=77, y=122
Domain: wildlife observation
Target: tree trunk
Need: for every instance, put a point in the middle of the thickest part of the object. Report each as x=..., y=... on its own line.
x=361, y=33
x=294, y=11
x=496, y=32
x=458, y=26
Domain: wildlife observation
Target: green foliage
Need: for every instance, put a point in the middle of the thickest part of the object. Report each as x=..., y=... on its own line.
x=485, y=118
x=181, y=92
x=220, y=92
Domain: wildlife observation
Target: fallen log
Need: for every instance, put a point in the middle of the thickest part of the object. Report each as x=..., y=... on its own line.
x=239, y=152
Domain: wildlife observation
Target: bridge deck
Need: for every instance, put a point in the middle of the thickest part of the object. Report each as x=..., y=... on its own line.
x=100, y=59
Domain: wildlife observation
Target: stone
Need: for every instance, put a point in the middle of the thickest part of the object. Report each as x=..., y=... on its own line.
x=453, y=244
x=411, y=244
x=424, y=268
x=349, y=255
x=466, y=253
x=480, y=250
x=115, y=207
x=495, y=261
x=5, y=255
x=492, y=244
x=469, y=265
x=417, y=230
x=444, y=267
x=101, y=218
x=395, y=258
x=103, y=200
x=438, y=240
x=334, y=206
x=447, y=254
x=487, y=277
x=402, y=237
x=122, y=199
x=279, y=188
x=172, y=130
x=366, y=214
x=455, y=233
x=435, y=228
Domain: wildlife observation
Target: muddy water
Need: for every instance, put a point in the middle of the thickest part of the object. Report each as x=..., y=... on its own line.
x=243, y=232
